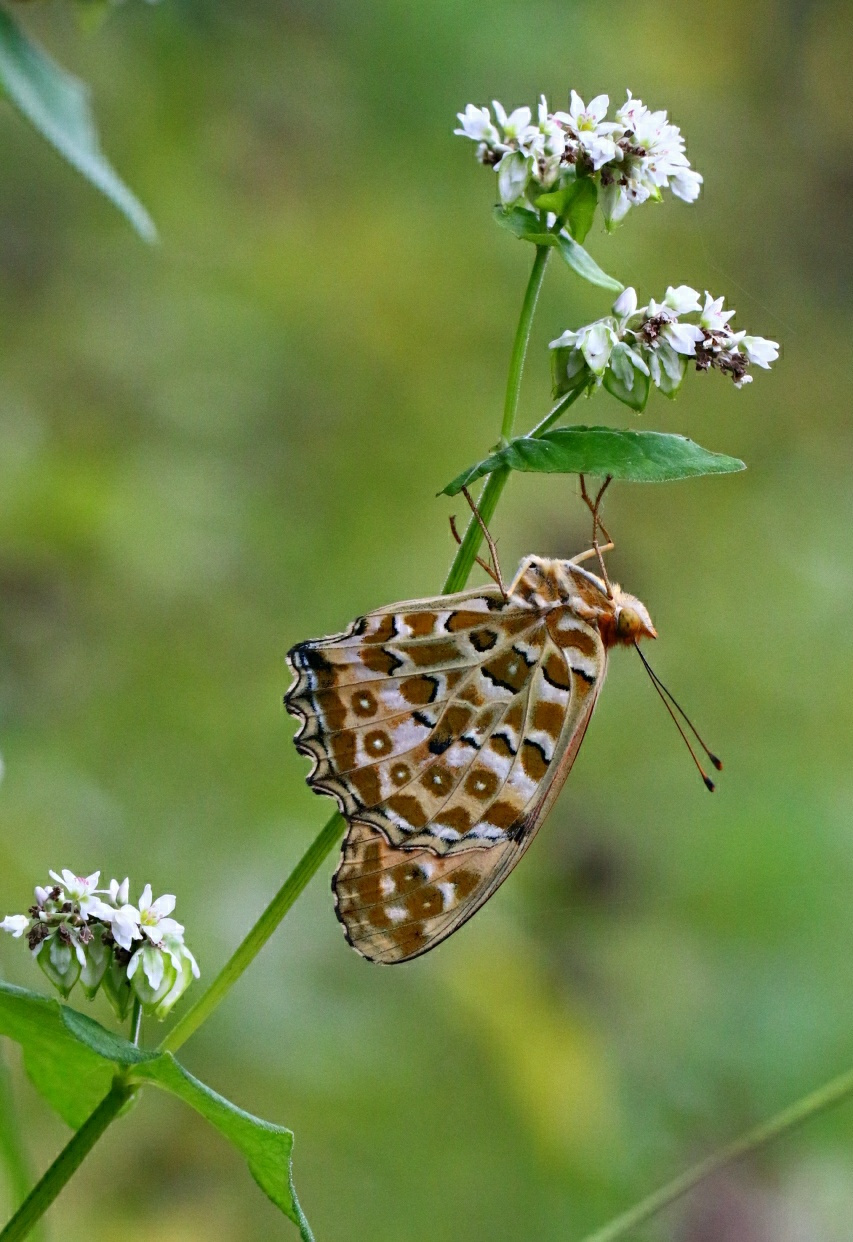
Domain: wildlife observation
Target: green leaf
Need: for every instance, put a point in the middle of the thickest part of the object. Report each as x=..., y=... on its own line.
x=72, y=1060
x=575, y=204
x=526, y=225
x=520, y=221
x=582, y=210
x=57, y=104
x=67, y=1072
x=632, y=456
x=582, y=262
x=266, y=1147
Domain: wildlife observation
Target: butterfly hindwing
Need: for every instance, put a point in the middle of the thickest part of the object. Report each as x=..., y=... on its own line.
x=396, y=904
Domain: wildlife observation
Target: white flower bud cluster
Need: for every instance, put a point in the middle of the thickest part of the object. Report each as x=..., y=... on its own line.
x=81, y=933
x=633, y=158
x=656, y=342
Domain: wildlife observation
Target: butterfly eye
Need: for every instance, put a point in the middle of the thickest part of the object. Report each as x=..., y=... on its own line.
x=631, y=624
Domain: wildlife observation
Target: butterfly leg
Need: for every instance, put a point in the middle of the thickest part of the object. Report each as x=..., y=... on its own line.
x=494, y=571
x=591, y=552
x=597, y=524
x=483, y=565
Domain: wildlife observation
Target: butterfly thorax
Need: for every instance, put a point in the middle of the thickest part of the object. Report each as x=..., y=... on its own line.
x=565, y=590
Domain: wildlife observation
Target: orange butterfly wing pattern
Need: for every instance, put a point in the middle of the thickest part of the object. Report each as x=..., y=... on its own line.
x=445, y=728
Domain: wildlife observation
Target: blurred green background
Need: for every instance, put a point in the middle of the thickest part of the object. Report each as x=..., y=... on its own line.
x=215, y=448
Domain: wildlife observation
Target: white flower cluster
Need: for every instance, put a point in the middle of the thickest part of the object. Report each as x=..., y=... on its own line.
x=653, y=343
x=634, y=157
x=79, y=932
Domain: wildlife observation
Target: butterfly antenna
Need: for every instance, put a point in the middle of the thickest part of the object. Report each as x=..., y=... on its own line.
x=718, y=763
x=665, y=696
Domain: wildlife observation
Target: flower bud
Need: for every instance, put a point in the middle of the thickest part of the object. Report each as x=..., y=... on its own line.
x=59, y=962
x=153, y=975
x=626, y=303
x=41, y=894
x=98, y=957
x=117, y=988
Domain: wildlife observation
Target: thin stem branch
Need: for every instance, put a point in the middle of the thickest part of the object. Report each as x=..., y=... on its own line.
x=136, y=1021
x=522, y=338
x=811, y=1105
x=556, y=411
x=466, y=553
x=66, y=1163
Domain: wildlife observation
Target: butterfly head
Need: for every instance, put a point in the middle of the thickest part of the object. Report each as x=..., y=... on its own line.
x=629, y=621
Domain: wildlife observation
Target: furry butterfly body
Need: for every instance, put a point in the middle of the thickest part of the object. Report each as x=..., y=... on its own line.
x=445, y=728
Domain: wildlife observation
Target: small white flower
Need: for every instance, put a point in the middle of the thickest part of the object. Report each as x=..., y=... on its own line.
x=515, y=126
x=595, y=342
x=476, y=123
x=550, y=139
x=119, y=892
x=626, y=304
x=666, y=367
x=759, y=351
x=82, y=890
x=41, y=895
x=683, y=337
x=597, y=345
x=124, y=924
x=686, y=184
x=586, y=124
x=153, y=920
x=15, y=925
x=713, y=317
x=681, y=301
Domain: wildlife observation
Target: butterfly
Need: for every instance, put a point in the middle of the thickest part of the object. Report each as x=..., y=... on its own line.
x=445, y=728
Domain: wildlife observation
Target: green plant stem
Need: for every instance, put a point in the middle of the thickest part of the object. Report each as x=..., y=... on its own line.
x=487, y=503
x=522, y=338
x=472, y=540
x=70, y=1158
x=811, y=1105
x=66, y=1163
x=557, y=411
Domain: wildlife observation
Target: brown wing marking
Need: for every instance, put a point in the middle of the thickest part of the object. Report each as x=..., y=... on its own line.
x=396, y=904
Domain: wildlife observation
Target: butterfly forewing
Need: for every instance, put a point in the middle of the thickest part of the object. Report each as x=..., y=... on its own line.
x=444, y=728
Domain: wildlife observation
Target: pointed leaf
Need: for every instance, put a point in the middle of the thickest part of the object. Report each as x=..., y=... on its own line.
x=266, y=1147
x=582, y=209
x=519, y=220
x=632, y=456
x=57, y=104
x=72, y=1061
x=582, y=262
